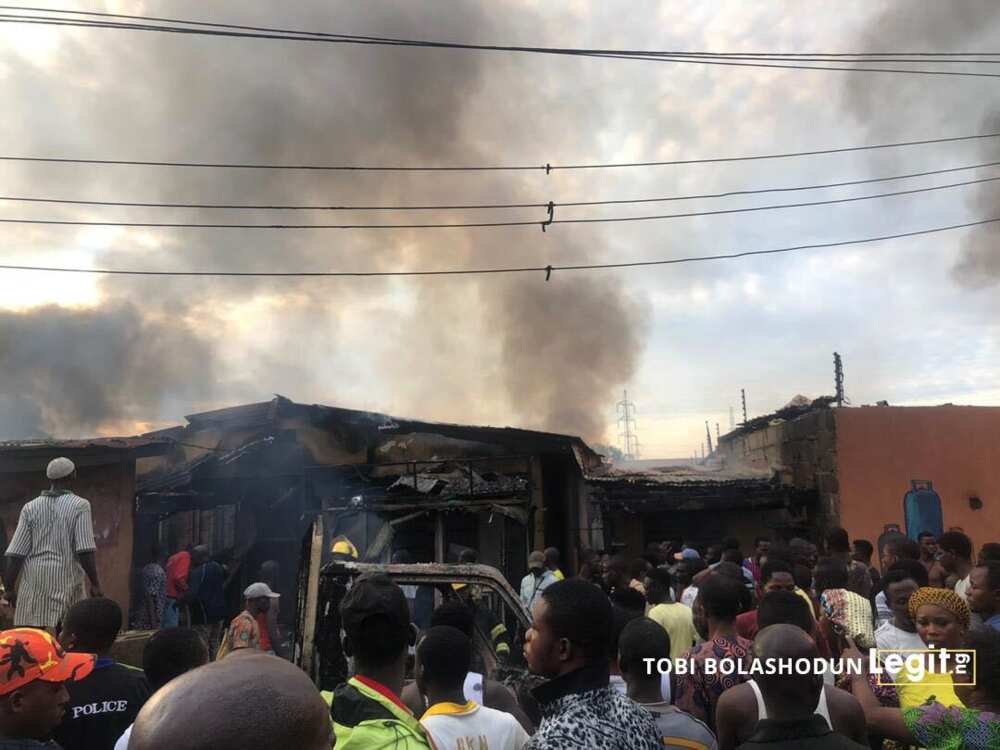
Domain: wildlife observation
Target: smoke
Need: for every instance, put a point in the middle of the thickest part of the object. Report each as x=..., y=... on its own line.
x=952, y=105
x=70, y=372
x=566, y=347
x=475, y=349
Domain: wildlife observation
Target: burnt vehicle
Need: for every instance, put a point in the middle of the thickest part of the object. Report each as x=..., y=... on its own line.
x=501, y=620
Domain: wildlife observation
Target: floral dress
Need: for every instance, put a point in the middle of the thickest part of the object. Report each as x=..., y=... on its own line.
x=153, y=583
x=936, y=727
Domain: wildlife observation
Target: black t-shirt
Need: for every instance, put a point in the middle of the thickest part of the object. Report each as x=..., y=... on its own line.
x=101, y=707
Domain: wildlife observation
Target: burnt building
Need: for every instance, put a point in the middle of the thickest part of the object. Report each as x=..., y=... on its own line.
x=697, y=504
x=248, y=481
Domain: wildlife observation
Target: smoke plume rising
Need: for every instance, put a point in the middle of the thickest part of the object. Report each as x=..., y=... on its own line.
x=550, y=354
x=962, y=106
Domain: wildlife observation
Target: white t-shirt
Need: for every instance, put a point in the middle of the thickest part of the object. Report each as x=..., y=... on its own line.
x=688, y=596
x=888, y=636
x=883, y=613
x=962, y=587
x=822, y=707
x=122, y=743
x=455, y=727
x=473, y=688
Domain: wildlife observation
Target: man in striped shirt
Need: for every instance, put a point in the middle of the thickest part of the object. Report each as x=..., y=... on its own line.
x=53, y=546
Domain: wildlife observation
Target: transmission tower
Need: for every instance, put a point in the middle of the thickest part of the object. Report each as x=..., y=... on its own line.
x=627, y=429
x=838, y=377
x=743, y=395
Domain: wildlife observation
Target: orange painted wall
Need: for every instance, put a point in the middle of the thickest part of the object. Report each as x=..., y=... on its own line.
x=880, y=449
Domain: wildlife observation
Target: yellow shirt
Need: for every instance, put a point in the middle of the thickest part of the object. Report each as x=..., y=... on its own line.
x=676, y=619
x=936, y=686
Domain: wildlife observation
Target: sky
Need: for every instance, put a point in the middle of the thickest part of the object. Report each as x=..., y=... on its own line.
x=915, y=320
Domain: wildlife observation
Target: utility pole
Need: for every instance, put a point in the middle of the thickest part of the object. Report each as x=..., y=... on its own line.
x=743, y=395
x=627, y=429
x=838, y=377
x=708, y=436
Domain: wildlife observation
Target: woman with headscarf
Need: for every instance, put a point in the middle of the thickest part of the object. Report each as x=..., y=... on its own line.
x=942, y=620
x=973, y=724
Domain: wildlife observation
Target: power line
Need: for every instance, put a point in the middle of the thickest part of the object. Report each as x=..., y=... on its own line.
x=197, y=28
x=750, y=209
x=662, y=56
x=495, y=224
x=160, y=19
x=548, y=269
x=497, y=168
x=482, y=206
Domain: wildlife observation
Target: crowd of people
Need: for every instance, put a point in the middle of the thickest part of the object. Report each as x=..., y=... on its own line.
x=707, y=606
x=623, y=654
x=189, y=588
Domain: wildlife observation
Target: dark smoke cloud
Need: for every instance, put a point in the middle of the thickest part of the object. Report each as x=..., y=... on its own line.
x=953, y=105
x=565, y=347
x=553, y=353
x=72, y=373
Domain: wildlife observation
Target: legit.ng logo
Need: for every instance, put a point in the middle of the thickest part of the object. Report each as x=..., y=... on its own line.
x=927, y=666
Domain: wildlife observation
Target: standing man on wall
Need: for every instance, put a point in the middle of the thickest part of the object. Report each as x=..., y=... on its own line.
x=54, y=546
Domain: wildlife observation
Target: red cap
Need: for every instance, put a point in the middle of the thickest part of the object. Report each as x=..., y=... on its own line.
x=27, y=655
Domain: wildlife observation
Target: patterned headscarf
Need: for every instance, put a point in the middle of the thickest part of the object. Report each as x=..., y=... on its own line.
x=944, y=598
x=851, y=613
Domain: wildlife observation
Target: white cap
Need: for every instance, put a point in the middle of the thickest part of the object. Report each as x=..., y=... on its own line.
x=59, y=468
x=259, y=591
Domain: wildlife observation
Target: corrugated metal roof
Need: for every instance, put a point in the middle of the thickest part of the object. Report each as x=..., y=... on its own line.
x=683, y=475
x=266, y=412
x=113, y=443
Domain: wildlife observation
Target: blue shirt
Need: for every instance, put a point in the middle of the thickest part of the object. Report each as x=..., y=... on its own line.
x=993, y=622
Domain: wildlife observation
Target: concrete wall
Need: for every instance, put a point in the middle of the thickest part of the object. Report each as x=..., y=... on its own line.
x=809, y=460
x=880, y=449
x=110, y=488
x=804, y=452
x=757, y=450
